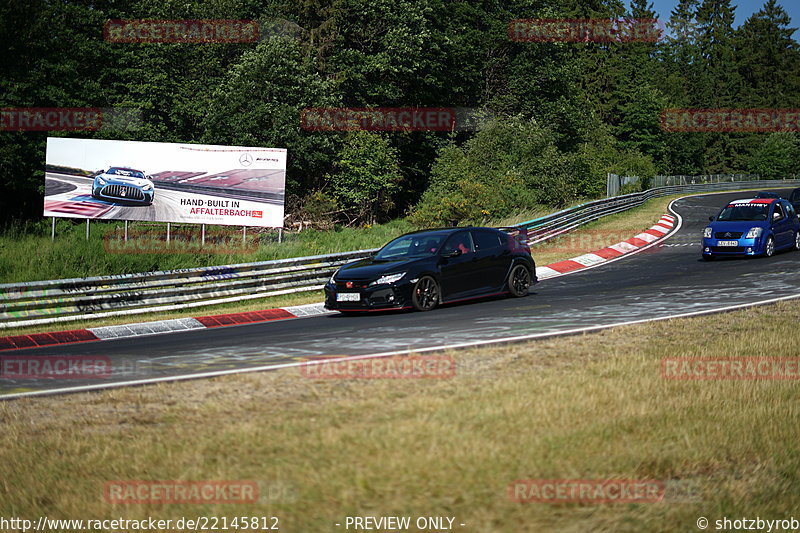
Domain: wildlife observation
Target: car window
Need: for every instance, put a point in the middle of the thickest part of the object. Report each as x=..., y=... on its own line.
x=486, y=240
x=744, y=212
x=779, y=211
x=125, y=172
x=414, y=245
x=790, y=210
x=459, y=241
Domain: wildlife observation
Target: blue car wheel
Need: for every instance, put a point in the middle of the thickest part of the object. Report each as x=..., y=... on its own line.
x=769, y=247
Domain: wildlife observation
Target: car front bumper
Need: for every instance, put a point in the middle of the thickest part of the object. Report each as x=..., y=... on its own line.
x=377, y=298
x=112, y=192
x=744, y=247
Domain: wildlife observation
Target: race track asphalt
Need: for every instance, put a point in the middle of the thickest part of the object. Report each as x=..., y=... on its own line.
x=664, y=280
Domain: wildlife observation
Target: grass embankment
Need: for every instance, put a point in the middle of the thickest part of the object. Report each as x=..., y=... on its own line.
x=584, y=407
x=606, y=231
x=28, y=254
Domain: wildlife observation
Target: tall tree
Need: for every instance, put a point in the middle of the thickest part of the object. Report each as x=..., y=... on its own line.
x=768, y=59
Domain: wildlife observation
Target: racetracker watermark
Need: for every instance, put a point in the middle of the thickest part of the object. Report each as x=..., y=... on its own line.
x=50, y=119
x=731, y=368
x=396, y=367
x=69, y=119
x=71, y=367
x=181, y=31
x=622, y=30
x=725, y=120
x=182, y=492
x=180, y=241
x=586, y=491
x=393, y=119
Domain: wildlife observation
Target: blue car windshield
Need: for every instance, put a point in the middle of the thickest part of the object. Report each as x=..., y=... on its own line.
x=744, y=212
x=410, y=246
x=125, y=172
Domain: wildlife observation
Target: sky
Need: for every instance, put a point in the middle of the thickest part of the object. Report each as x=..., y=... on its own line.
x=744, y=8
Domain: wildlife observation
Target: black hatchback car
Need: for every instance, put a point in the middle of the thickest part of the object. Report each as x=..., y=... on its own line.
x=423, y=269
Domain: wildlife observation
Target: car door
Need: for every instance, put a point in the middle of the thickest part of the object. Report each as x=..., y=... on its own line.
x=458, y=275
x=794, y=222
x=781, y=226
x=492, y=263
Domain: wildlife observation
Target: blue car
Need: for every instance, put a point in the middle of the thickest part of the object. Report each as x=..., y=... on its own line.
x=758, y=226
x=123, y=185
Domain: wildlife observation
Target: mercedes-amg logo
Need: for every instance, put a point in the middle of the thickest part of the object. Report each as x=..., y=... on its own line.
x=246, y=159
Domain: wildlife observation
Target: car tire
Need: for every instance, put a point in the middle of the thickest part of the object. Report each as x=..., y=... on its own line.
x=519, y=281
x=769, y=247
x=708, y=257
x=425, y=294
x=797, y=240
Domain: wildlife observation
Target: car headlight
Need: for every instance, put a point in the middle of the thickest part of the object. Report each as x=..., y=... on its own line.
x=332, y=281
x=147, y=187
x=101, y=181
x=753, y=233
x=388, y=278
x=707, y=233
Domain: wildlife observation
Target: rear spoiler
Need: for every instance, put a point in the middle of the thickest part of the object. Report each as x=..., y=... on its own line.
x=519, y=237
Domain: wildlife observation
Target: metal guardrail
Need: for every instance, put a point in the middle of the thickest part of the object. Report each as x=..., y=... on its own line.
x=43, y=302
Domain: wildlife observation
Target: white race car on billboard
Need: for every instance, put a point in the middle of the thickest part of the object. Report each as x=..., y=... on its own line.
x=122, y=184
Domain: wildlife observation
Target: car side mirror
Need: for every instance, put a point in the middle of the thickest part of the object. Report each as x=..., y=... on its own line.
x=711, y=219
x=452, y=253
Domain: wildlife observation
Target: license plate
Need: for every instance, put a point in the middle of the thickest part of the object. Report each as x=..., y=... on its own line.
x=348, y=297
x=728, y=243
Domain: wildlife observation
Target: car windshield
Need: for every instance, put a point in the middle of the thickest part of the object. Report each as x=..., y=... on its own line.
x=744, y=212
x=128, y=173
x=408, y=246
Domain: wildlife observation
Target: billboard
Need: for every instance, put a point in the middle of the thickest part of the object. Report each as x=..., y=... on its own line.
x=164, y=182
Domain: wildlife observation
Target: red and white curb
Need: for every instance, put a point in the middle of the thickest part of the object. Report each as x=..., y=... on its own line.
x=634, y=244
x=582, y=262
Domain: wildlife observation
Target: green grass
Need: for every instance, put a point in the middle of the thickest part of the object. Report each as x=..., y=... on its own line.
x=583, y=407
x=28, y=254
